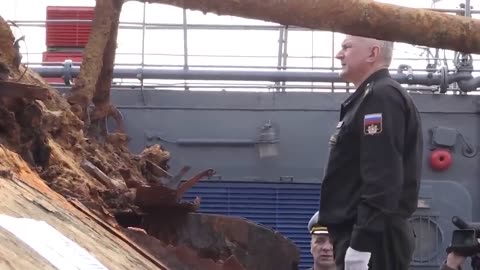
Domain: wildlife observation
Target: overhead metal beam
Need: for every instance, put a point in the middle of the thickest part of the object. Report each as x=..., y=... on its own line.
x=361, y=18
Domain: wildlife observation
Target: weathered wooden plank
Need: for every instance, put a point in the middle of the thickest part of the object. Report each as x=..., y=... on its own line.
x=24, y=194
x=21, y=90
x=118, y=234
x=363, y=18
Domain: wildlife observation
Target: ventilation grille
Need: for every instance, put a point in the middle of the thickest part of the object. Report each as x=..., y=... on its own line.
x=68, y=34
x=428, y=242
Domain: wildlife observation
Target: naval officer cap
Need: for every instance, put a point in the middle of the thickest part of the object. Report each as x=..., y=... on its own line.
x=314, y=228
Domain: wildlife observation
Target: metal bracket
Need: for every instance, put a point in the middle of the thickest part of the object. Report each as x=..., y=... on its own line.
x=67, y=72
x=268, y=136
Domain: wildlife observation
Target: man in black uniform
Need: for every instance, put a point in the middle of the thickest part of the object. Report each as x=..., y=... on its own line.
x=372, y=177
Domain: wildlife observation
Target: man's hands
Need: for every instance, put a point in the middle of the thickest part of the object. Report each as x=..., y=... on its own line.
x=454, y=260
x=356, y=260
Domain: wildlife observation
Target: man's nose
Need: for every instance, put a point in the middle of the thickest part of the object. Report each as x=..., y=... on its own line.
x=326, y=246
x=339, y=55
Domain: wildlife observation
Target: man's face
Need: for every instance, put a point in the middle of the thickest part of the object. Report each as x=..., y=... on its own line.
x=355, y=56
x=322, y=250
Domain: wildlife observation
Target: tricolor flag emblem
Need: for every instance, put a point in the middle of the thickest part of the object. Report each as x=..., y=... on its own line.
x=372, y=123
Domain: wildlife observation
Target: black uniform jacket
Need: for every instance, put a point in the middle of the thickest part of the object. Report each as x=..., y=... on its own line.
x=374, y=167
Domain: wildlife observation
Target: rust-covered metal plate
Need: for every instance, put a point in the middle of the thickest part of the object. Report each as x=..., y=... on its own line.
x=219, y=237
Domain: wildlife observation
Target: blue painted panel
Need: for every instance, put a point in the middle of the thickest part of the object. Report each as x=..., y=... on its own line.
x=284, y=207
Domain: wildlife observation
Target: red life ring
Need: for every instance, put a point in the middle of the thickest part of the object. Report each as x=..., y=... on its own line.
x=440, y=159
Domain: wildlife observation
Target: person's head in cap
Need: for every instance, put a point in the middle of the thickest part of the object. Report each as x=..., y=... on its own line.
x=320, y=245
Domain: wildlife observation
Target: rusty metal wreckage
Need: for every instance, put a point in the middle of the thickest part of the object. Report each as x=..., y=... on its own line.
x=167, y=232
x=163, y=228
x=170, y=235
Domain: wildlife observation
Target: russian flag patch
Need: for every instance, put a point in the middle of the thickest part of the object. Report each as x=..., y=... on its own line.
x=372, y=124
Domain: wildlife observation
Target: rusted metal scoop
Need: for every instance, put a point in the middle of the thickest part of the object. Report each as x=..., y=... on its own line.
x=149, y=197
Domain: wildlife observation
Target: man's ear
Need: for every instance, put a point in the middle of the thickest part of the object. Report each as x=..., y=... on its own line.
x=374, y=53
